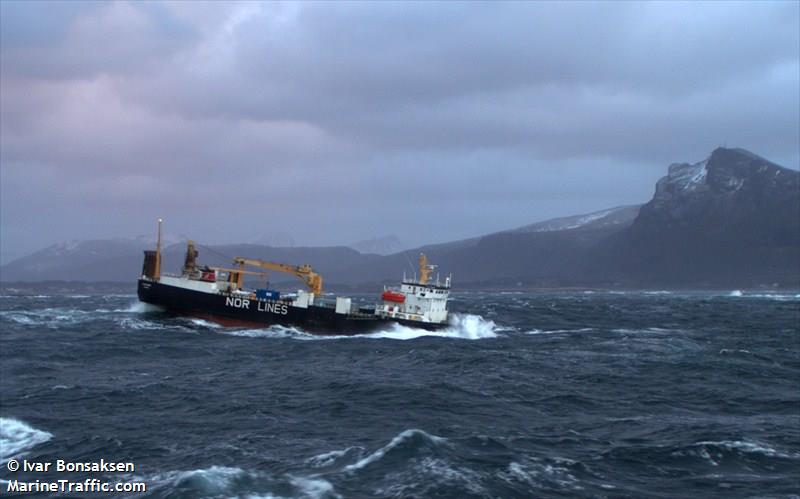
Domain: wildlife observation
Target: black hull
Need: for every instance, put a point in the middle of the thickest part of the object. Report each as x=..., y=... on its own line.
x=218, y=308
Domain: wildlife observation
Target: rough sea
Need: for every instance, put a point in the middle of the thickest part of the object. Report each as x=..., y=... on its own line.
x=562, y=394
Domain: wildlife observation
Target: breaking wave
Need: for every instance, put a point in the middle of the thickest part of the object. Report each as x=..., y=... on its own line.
x=139, y=307
x=717, y=451
x=408, y=438
x=226, y=481
x=276, y=331
x=17, y=438
x=462, y=326
x=561, y=331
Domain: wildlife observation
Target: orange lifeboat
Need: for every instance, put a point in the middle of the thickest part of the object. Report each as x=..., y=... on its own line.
x=393, y=296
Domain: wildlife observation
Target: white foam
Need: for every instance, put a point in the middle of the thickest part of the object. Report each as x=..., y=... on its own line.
x=443, y=471
x=462, y=326
x=535, y=472
x=313, y=488
x=749, y=447
x=736, y=292
x=328, y=458
x=560, y=331
x=222, y=481
x=139, y=307
x=215, y=480
x=136, y=324
x=648, y=330
x=21, y=319
x=399, y=439
x=204, y=323
x=16, y=438
x=770, y=296
x=269, y=332
x=727, y=350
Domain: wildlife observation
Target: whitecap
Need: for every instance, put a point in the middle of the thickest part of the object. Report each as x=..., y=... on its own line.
x=223, y=481
x=313, y=488
x=736, y=293
x=139, y=307
x=536, y=472
x=462, y=326
x=328, y=458
x=560, y=331
x=215, y=480
x=748, y=447
x=16, y=438
x=773, y=296
x=20, y=318
x=396, y=441
x=136, y=324
x=275, y=331
x=205, y=323
x=727, y=351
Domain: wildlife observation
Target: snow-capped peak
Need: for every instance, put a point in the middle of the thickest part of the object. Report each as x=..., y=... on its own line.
x=688, y=177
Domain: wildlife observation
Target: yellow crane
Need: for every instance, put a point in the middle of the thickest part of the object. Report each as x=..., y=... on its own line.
x=425, y=269
x=303, y=272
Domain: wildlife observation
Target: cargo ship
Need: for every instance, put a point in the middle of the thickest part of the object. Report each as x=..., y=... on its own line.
x=219, y=294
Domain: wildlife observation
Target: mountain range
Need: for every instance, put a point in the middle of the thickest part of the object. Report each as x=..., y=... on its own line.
x=731, y=220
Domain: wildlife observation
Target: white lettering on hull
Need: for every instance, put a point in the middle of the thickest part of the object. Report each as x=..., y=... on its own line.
x=262, y=306
x=273, y=306
x=237, y=302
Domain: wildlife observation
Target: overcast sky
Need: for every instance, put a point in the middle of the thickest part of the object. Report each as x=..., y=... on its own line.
x=333, y=122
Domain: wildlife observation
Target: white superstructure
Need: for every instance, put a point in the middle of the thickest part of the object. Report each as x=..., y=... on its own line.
x=416, y=301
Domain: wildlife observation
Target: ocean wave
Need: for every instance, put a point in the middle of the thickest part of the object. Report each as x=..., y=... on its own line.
x=214, y=481
x=139, y=307
x=50, y=317
x=328, y=458
x=17, y=438
x=708, y=448
x=138, y=324
x=462, y=326
x=747, y=447
x=275, y=331
x=408, y=438
x=645, y=330
x=561, y=331
x=205, y=324
x=534, y=473
x=234, y=482
x=766, y=296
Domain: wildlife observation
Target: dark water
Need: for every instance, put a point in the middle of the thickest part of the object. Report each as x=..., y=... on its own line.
x=534, y=395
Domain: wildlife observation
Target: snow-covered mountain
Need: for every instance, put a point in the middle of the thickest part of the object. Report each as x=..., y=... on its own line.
x=732, y=219
x=620, y=216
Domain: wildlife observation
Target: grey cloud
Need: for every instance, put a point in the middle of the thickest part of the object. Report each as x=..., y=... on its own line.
x=447, y=119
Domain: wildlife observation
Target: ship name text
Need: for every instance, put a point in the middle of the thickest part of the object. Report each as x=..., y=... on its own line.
x=262, y=306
